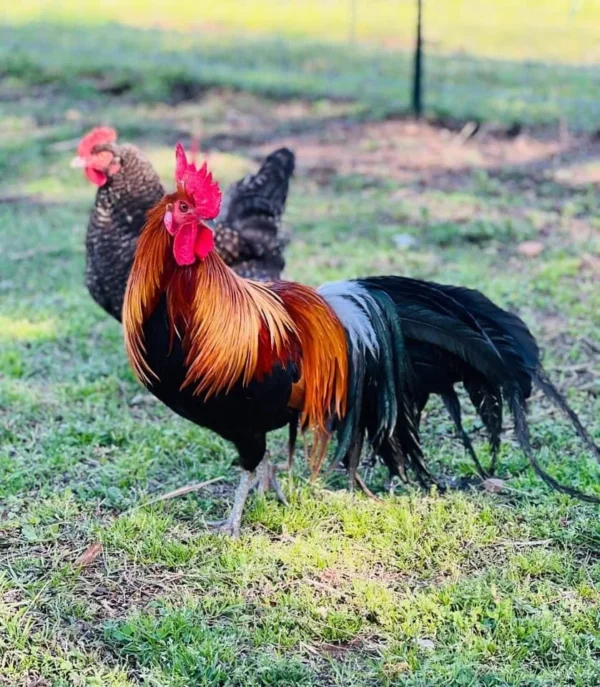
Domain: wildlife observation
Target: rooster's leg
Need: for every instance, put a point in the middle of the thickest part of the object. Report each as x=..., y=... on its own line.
x=263, y=479
x=232, y=524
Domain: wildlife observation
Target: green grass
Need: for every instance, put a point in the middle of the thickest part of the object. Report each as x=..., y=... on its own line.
x=419, y=589
x=509, y=62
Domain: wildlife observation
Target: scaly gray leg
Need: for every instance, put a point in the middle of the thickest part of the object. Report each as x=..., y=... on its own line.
x=262, y=479
x=231, y=525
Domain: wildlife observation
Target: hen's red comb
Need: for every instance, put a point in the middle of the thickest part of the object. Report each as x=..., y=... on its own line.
x=198, y=184
x=101, y=134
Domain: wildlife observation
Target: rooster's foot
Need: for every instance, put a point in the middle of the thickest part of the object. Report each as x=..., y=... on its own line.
x=227, y=527
x=231, y=525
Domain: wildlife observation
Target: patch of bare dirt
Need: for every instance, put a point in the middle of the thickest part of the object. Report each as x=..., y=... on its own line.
x=410, y=151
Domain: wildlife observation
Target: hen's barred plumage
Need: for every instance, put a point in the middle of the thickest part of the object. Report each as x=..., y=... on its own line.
x=357, y=358
x=114, y=226
x=247, y=237
x=252, y=210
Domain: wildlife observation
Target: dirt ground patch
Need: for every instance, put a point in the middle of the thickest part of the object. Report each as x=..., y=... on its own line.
x=410, y=151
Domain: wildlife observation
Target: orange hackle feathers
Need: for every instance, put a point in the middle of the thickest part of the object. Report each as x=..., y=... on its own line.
x=321, y=392
x=233, y=325
x=152, y=260
x=232, y=330
x=324, y=353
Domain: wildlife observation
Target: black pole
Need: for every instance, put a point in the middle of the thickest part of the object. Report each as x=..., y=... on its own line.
x=417, y=91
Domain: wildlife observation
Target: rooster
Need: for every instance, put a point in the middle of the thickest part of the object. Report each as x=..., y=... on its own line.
x=247, y=236
x=243, y=358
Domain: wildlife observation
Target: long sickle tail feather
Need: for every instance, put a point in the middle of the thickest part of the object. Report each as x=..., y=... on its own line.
x=541, y=379
x=517, y=409
x=488, y=402
x=408, y=339
x=452, y=405
x=521, y=353
x=497, y=357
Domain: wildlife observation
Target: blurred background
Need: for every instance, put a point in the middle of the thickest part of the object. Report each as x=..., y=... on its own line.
x=401, y=92
x=504, y=60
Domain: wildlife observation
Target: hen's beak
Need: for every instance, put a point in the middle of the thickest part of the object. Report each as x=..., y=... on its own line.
x=78, y=162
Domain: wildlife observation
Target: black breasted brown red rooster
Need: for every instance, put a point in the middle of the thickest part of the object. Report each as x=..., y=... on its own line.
x=247, y=236
x=357, y=358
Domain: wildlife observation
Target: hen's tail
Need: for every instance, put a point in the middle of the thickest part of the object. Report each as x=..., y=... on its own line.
x=410, y=338
x=249, y=225
x=261, y=194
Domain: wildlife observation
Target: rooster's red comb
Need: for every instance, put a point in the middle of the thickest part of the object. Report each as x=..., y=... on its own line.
x=198, y=184
x=101, y=134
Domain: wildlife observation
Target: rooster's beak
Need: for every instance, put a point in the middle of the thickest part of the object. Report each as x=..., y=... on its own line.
x=78, y=162
x=210, y=223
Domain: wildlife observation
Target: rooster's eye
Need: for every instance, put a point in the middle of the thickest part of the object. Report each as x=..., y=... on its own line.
x=183, y=207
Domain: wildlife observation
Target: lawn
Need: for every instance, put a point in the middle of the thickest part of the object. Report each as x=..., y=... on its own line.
x=101, y=584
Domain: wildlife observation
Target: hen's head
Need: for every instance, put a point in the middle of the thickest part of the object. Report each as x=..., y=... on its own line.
x=197, y=199
x=97, y=155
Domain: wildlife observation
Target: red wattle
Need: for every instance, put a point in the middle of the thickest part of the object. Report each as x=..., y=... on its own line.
x=183, y=244
x=95, y=176
x=205, y=242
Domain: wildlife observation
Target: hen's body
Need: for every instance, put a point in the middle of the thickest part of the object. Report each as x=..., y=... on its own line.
x=114, y=227
x=247, y=238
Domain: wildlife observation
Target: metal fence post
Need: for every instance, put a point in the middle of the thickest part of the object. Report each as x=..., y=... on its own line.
x=417, y=86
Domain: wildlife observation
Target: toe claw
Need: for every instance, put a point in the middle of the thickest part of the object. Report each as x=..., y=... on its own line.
x=279, y=491
x=226, y=527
